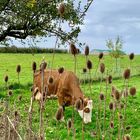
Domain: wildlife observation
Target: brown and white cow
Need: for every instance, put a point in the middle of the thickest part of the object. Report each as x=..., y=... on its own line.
x=66, y=87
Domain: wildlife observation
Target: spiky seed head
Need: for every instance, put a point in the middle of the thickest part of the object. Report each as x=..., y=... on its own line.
x=73, y=49
x=110, y=79
x=61, y=8
x=113, y=91
x=126, y=137
x=102, y=97
x=69, y=124
x=50, y=80
x=84, y=70
x=59, y=113
x=117, y=95
x=112, y=124
x=101, y=55
x=132, y=91
x=16, y=114
x=20, y=98
x=111, y=106
x=34, y=66
x=89, y=64
x=126, y=74
x=120, y=116
x=131, y=56
x=43, y=65
x=86, y=50
x=128, y=127
x=18, y=68
x=78, y=104
x=102, y=67
x=61, y=70
x=6, y=78
x=10, y=93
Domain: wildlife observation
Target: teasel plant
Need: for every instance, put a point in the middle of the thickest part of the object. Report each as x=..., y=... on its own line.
x=131, y=58
x=126, y=76
x=80, y=106
x=73, y=50
x=69, y=126
x=42, y=101
x=100, y=57
x=30, y=112
x=6, y=78
x=18, y=70
x=86, y=52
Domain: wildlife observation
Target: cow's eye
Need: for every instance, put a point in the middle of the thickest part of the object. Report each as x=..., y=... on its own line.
x=87, y=110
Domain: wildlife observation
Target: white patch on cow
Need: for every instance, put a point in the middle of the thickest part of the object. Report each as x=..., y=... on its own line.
x=38, y=96
x=87, y=116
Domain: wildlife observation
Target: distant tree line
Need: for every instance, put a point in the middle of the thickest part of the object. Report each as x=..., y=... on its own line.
x=14, y=49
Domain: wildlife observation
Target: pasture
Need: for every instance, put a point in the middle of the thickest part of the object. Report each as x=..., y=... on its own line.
x=55, y=130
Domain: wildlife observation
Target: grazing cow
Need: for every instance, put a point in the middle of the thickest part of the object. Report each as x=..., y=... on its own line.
x=65, y=86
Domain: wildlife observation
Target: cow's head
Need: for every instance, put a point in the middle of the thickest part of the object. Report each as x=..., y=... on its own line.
x=86, y=112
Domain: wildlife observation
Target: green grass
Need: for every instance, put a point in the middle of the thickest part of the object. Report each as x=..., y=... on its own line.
x=57, y=130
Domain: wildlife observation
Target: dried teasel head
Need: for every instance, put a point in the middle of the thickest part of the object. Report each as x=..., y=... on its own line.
x=131, y=56
x=89, y=64
x=10, y=93
x=59, y=114
x=79, y=104
x=101, y=55
x=61, y=9
x=111, y=124
x=111, y=106
x=126, y=74
x=43, y=65
x=34, y=66
x=102, y=96
x=61, y=70
x=132, y=91
x=69, y=124
x=15, y=114
x=112, y=91
x=86, y=50
x=73, y=49
x=126, y=137
x=84, y=70
x=20, y=98
x=128, y=128
x=50, y=80
x=18, y=68
x=6, y=78
x=117, y=95
x=109, y=79
x=102, y=67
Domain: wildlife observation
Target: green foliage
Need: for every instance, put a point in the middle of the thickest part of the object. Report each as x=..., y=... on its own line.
x=32, y=50
x=23, y=18
x=115, y=47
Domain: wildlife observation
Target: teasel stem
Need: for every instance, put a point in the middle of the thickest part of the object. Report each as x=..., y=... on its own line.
x=83, y=122
x=73, y=117
x=55, y=46
x=41, y=105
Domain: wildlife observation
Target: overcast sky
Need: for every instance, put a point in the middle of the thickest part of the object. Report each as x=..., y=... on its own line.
x=106, y=19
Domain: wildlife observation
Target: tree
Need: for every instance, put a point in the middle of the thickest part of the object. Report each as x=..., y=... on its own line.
x=22, y=18
x=116, y=49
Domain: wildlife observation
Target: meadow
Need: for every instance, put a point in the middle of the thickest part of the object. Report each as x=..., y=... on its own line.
x=55, y=130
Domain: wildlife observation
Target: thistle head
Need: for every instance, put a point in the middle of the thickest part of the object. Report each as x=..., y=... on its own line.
x=73, y=49
x=6, y=78
x=61, y=70
x=102, y=67
x=101, y=55
x=59, y=114
x=132, y=91
x=86, y=51
x=89, y=64
x=102, y=96
x=126, y=74
x=131, y=56
x=84, y=70
x=69, y=124
x=34, y=66
x=18, y=68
